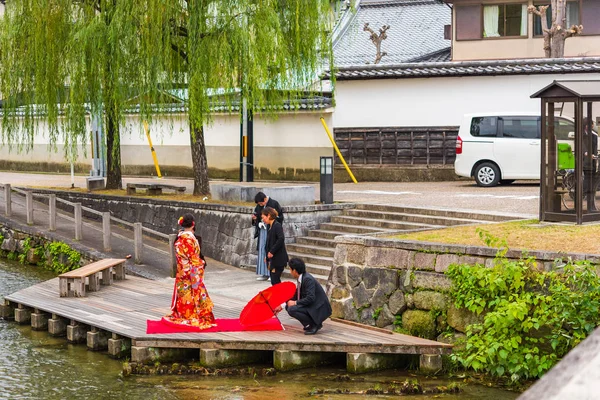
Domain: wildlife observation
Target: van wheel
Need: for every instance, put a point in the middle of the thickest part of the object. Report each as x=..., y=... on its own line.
x=506, y=181
x=487, y=174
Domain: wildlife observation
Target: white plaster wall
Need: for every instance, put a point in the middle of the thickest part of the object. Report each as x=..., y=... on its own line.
x=289, y=141
x=288, y=130
x=436, y=101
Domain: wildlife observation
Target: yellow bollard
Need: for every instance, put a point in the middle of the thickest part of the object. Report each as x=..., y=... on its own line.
x=338, y=150
x=152, y=149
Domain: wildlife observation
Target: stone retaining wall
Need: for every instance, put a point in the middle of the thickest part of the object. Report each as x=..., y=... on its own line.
x=14, y=246
x=401, y=284
x=227, y=233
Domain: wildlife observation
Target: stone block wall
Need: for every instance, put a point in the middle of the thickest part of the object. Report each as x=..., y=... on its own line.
x=227, y=232
x=13, y=246
x=401, y=284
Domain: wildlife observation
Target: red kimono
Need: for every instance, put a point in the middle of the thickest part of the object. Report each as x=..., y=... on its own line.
x=191, y=304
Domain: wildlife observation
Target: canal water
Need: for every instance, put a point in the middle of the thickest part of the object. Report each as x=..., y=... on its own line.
x=34, y=365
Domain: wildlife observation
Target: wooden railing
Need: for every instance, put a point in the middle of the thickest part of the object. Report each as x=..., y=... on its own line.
x=78, y=210
x=397, y=146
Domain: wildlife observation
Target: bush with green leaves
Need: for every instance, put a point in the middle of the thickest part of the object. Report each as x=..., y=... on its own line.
x=531, y=318
x=57, y=252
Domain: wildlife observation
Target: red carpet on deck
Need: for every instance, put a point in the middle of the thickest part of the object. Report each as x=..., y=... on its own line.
x=223, y=325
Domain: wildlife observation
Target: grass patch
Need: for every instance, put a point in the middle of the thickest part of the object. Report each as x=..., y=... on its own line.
x=528, y=234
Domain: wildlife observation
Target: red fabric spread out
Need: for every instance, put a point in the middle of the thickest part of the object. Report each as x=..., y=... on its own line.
x=223, y=325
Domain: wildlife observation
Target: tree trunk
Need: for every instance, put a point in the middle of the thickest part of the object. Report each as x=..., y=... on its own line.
x=558, y=45
x=558, y=30
x=113, y=152
x=201, y=186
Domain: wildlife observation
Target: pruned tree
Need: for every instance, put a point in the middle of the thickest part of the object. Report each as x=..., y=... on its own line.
x=104, y=52
x=377, y=39
x=555, y=35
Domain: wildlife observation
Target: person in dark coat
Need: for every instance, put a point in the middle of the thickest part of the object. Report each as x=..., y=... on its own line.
x=277, y=256
x=310, y=304
x=262, y=201
x=590, y=155
x=260, y=231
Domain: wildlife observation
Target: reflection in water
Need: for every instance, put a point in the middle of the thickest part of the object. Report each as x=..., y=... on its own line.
x=34, y=365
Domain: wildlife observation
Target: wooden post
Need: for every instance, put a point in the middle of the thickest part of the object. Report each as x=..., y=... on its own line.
x=137, y=241
x=29, y=206
x=78, y=221
x=7, y=194
x=172, y=239
x=52, y=212
x=106, y=230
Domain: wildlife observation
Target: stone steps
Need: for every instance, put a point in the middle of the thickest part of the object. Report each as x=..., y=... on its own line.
x=348, y=229
x=385, y=223
x=434, y=221
x=318, y=248
x=311, y=250
x=324, y=233
x=390, y=209
x=317, y=241
x=312, y=259
x=320, y=274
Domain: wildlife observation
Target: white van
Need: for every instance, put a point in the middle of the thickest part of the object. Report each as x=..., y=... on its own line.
x=500, y=148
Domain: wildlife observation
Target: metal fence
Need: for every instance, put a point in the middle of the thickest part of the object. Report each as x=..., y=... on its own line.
x=397, y=146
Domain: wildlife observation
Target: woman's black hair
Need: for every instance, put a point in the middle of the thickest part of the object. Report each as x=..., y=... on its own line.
x=186, y=221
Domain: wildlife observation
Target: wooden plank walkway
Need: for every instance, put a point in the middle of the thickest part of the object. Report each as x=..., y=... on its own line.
x=124, y=307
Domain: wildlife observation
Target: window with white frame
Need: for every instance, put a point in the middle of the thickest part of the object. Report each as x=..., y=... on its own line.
x=504, y=20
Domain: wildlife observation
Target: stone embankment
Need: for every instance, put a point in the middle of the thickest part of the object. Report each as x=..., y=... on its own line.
x=401, y=285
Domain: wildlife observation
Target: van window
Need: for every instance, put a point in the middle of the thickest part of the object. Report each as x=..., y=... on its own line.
x=520, y=127
x=484, y=126
x=562, y=127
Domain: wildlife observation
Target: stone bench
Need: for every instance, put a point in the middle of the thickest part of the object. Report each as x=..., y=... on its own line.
x=153, y=188
x=73, y=283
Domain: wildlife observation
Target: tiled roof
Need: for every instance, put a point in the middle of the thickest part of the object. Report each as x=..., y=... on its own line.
x=471, y=68
x=416, y=29
x=443, y=55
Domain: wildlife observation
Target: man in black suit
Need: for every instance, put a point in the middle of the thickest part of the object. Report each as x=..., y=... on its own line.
x=310, y=304
x=262, y=201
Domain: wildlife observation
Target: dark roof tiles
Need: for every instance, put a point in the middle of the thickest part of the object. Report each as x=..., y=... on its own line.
x=416, y=30
x=471, y=68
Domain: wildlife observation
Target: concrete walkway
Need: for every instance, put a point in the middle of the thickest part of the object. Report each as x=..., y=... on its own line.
x=518, y=198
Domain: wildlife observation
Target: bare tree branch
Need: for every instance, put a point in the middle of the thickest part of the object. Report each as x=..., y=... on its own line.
x=377, y=39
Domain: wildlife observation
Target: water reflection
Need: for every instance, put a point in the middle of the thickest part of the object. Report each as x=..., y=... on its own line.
x=34, y=365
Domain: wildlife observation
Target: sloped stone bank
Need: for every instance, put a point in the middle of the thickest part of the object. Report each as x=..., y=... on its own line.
x=401, y=284
x=227, y=234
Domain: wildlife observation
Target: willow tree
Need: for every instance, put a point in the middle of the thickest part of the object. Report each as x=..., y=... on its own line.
x=261, y=52
x=558, y=32
x=62, y=60
x=104, y=52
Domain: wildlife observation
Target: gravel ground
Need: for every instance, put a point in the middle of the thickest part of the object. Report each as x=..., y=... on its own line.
x=520, y=198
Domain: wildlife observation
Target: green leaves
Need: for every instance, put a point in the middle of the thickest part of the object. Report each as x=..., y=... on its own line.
x=532, y=318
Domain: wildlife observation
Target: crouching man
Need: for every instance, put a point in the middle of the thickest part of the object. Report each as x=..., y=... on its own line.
x=310, y=304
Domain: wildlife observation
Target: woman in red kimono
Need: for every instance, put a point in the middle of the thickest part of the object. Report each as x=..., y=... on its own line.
x=191, y=304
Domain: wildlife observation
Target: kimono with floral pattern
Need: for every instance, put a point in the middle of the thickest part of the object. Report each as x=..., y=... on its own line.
x=191, y=304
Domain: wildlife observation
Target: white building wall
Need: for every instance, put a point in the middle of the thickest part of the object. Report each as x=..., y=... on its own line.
x=290, y=141
x=436, y=101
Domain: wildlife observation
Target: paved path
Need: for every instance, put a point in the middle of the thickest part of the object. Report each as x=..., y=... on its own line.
x=518, y=198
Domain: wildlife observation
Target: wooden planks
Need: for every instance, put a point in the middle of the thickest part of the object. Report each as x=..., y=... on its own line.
x=124, y=307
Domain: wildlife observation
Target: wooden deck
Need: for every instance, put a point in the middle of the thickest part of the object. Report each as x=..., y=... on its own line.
x=124, y=307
